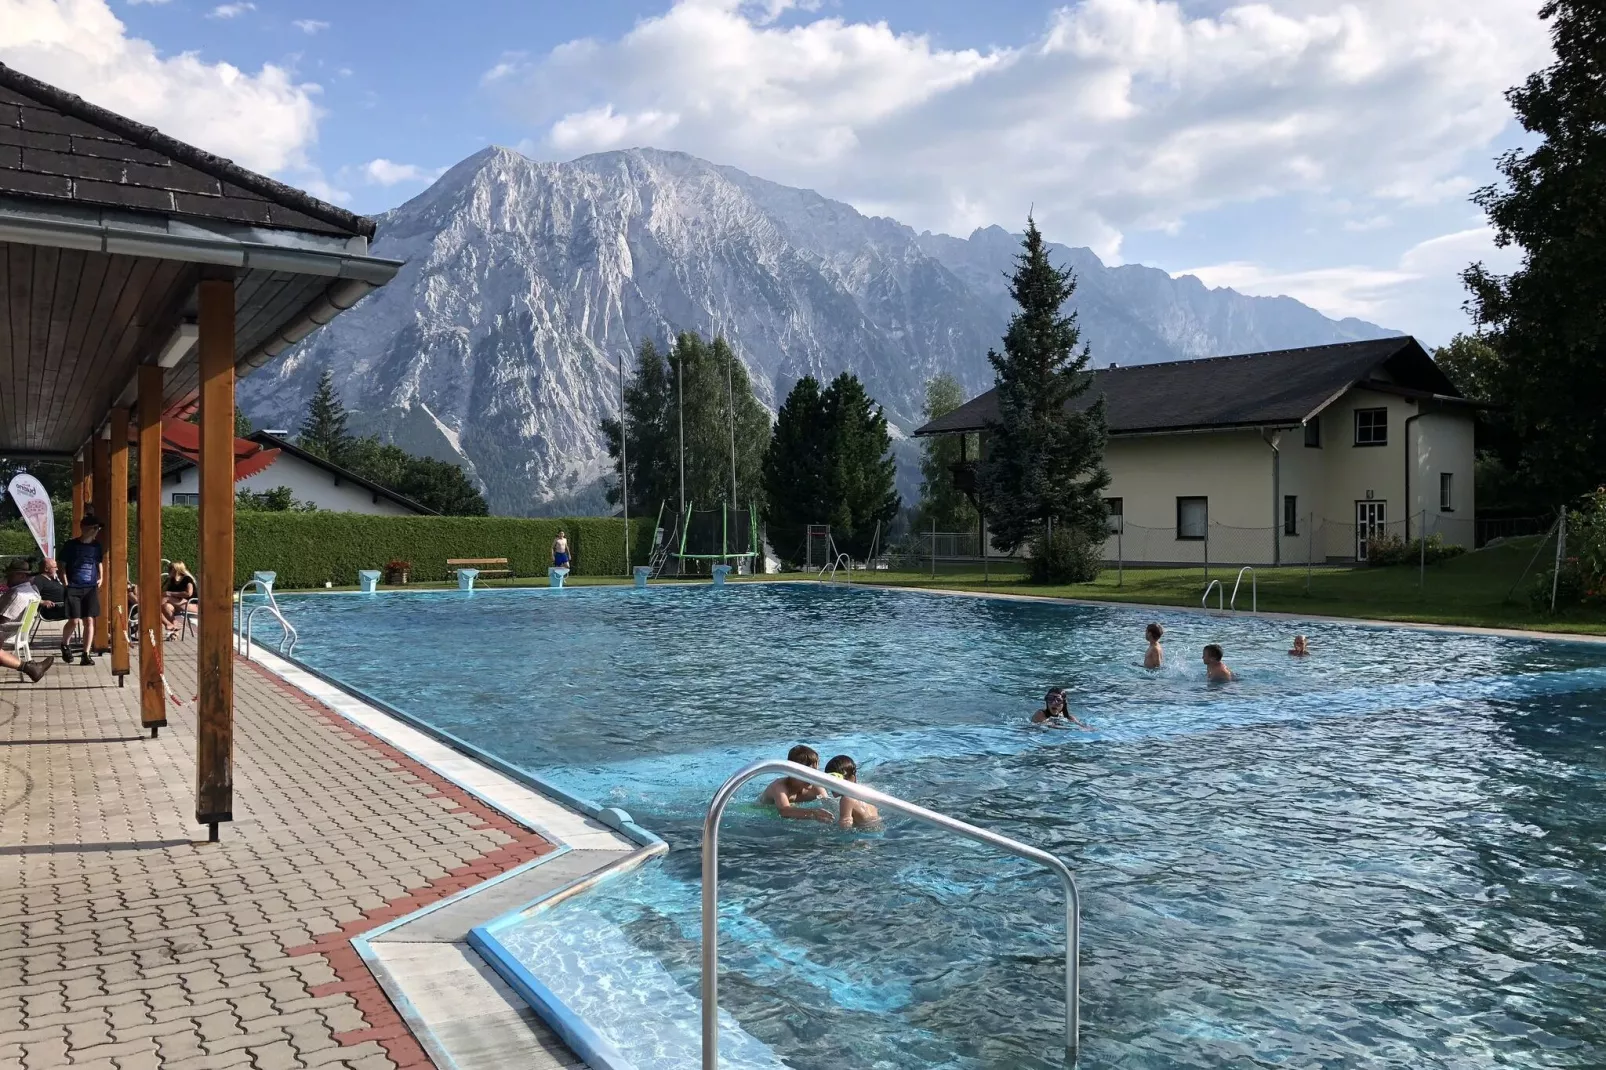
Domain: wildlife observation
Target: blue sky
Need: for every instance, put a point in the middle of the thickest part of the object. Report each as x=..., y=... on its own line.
x=1316, y=148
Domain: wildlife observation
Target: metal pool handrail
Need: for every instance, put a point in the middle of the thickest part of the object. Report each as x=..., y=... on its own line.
x=1221, y=596
x=1254, y=590
x=840, y=558
x=1073, y=900
x=242, y=620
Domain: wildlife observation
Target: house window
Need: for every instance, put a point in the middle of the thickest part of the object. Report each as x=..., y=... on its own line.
x=1290, y=514
x=1115, y=507
x=192, y=500
x=1313, y=434
x=1446, y=492
x=1371, y=427
x=1193, y=517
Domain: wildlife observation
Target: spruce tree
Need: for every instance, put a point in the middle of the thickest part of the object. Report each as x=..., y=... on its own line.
x=323, y=431
x=859, y=466
x=652, y=444
x=1545, y=321
x=1045, y=452
x=796, y=484
x=943, y=505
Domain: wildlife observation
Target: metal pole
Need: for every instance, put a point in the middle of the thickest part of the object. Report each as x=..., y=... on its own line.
x=1207, y=548
x=730, y=387
x=934, y=548
x=710, y=1009
x=1561, y=542
x=624, y=465
x=680, y=390
x=1422, y=552
x=1310, y=549
x=1120, y=552
x=986, y=574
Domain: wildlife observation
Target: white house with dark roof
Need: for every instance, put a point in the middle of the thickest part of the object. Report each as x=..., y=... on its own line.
x=1276, y=458
x=310, y=479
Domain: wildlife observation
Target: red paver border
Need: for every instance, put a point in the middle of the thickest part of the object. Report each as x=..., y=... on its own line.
x=385, y=1024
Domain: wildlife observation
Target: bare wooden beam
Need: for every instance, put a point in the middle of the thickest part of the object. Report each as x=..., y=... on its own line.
x=117, y=545
x=152, y=695
x=100, y=504
x=80, y=493
x=214, y=750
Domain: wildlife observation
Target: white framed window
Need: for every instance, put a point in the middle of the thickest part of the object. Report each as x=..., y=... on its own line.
x=1446, y=492
x=1193, y=517
x=191, y=500
x=1371, y=427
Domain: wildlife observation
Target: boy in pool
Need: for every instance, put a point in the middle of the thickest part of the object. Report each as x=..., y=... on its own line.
x=787, y=792
x=1154, y=657
x=1301, y=648
x=851, y=813
x=1215, y=670
x=1055, y=708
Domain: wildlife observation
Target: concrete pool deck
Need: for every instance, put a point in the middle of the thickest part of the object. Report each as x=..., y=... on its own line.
x=326, y=929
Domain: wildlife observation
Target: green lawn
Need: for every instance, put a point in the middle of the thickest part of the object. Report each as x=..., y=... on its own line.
x=1468, y=590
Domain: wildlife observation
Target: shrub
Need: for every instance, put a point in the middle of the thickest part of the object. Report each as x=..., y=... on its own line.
x=1384, y=550
x=1570, y=586
x=1065, y=557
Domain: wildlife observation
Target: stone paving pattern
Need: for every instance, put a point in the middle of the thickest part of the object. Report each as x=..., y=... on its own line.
x=126, y=941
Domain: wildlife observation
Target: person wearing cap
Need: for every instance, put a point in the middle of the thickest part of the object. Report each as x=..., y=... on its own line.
x=20, y=593
x=82, y=560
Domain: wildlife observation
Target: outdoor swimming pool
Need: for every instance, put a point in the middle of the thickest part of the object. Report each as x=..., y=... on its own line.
x=1388, y=854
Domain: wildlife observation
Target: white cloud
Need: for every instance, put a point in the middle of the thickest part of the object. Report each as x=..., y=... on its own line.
x=310, y=26
x=266, y=121
x=383, y=172
x=231, y=11
x=1423, y=288
x=1120, y=114
x=136, y=3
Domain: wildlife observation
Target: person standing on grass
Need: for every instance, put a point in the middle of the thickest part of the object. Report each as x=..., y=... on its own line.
x=560, y=550
x=83, y=560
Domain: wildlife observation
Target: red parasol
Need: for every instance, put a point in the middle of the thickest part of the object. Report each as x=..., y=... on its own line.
x=184, y=438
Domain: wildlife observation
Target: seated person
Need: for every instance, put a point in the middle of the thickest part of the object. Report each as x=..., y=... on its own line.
x=1055, y=709
x=1301, y=647
x=179, y=591
x=14, y=602
x=851, y=813
x=1154, y=657
x=33, y=670
x=52, y=591
x=1216, y=670
x=787, y=792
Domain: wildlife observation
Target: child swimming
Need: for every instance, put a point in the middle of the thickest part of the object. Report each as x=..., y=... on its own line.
x=851, y=813
x=1215, y=671
x=1055, y=708
x=1301, y=648
x=786, y=793
x=1154, y=657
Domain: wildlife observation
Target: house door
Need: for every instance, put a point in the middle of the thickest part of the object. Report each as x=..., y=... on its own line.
x=1371, y=519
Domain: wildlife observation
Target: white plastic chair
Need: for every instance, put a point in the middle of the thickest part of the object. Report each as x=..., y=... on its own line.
x=22, y=642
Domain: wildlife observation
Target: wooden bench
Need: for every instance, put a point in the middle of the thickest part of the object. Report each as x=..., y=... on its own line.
x=486, y=565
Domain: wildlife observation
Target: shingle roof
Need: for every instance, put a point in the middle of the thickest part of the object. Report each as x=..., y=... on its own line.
x=1280, y=388
x=56, y=145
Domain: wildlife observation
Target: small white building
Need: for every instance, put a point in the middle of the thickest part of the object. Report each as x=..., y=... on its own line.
x=1276, y=458
x=309, y=477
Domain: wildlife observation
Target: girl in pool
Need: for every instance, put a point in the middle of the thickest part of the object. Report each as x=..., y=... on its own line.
x=1056, y=711
x=1301, y=648
x=851, y=813
x=1154, y=657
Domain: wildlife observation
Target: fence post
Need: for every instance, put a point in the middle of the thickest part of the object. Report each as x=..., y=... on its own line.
x=1207, y=549
x=1310, y=549
x=1120, y=553
x=1561, y=542
x=1422, y=557
x=934, y=548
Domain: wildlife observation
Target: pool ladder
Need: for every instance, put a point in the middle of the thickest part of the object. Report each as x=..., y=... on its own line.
x=1232, y=604
x=244, y=618
x=1073, y=901
x=843, y=562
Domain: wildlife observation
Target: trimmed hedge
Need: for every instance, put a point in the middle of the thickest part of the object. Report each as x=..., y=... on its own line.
x=309, y=549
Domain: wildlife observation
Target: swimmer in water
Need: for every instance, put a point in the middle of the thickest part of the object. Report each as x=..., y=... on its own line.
x=786, y=793
x=851, y=813
x=1056, y=710
x=1154, y=657
x=1216, y=670
x=1301, y=648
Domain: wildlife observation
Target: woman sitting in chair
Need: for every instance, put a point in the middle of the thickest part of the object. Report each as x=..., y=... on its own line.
x=180, y=592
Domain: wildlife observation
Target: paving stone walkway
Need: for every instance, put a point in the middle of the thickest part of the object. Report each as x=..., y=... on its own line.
x=127, y=942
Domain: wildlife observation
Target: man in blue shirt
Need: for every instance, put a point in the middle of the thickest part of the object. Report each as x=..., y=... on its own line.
x=82, y=562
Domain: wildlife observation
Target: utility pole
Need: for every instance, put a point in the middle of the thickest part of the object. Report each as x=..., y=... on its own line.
x=730, y=388
x=680, y=391
x=624, y=467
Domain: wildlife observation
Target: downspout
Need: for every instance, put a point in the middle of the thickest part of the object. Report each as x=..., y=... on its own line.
x=1406, y=434
x=1270, y=437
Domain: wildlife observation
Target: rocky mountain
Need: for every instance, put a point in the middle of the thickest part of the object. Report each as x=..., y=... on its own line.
x=498, y=345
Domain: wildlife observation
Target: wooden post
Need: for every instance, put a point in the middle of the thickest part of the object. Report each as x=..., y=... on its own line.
x=100, y=495
x=80, y=493
x=152, y=694
x=214, y=751
x=117, y=546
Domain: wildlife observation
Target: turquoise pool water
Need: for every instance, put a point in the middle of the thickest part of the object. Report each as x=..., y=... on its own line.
x=1388, y=854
